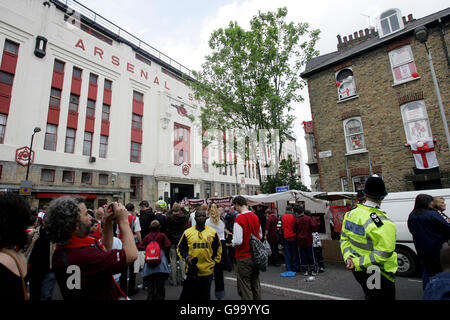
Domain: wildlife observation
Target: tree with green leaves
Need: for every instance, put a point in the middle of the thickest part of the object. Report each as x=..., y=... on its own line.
x=286, y=176
x=251, y=79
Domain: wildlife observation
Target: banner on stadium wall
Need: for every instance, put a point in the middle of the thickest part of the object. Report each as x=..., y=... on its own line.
x=338, y=213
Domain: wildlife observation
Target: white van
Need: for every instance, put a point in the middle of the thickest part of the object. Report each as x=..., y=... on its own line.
x=398, y=206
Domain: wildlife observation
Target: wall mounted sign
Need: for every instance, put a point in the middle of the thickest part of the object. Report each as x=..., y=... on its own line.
x=185, y=169
x=22, y=155
x=325, y=154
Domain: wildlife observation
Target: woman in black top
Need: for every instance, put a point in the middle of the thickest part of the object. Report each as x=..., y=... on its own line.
x=15, y=217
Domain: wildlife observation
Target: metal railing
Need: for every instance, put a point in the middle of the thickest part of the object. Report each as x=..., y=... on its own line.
x=121, y=33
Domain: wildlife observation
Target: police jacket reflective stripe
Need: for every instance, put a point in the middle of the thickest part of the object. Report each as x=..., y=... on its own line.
x=368, y=236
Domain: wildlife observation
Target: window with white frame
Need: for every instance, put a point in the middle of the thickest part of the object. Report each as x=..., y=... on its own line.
x=344, y=184
x=50, y=137
x=69, y=146
x=415, y=121
x=345, y=84
x=402, y=64
x=390, y=22
x=3, y=118
x=354, y=136
x=103, y=146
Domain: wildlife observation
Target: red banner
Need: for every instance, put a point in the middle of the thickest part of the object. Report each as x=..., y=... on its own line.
x=338, y=213
x=221, y=202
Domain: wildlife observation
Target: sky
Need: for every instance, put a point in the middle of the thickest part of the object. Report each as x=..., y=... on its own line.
x=181, y=29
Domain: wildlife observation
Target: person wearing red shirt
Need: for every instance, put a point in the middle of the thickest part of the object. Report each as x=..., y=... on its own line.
x=83, y=269
x=271, y=236
x=247, y=272
x=290, y=246
x=303, y=228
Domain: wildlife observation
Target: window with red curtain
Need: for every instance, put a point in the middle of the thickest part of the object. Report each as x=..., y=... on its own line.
x=182, y=137
x=136, y=186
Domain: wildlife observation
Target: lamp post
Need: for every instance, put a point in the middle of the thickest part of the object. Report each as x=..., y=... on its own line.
x=421, y=34
x=36, y=130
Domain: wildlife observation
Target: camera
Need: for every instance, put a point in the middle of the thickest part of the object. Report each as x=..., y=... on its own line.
x=109, y=209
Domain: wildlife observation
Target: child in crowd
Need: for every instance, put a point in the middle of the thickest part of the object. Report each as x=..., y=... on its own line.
x=317, y=248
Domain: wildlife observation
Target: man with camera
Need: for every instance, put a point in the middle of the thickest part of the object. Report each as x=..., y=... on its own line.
x=84, y=270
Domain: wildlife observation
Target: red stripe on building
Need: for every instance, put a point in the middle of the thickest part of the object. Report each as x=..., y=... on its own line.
x=72, y=120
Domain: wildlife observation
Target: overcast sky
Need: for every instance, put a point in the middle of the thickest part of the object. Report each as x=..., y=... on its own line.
x=181, y=29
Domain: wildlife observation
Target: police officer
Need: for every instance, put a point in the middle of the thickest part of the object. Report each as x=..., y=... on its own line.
x=368, y=243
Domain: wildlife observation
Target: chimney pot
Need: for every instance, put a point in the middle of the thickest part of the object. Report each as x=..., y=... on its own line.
x=361, y=33
x=345, y=39
x=410, y=17
x=350, y=37
x=404, y=19
x=355, y=35
x=339, y=39
x=366, y=31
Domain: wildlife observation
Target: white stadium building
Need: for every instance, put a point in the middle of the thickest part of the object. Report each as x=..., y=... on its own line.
x=117, y=120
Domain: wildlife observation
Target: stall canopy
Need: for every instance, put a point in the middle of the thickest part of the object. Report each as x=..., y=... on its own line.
x=311, y=203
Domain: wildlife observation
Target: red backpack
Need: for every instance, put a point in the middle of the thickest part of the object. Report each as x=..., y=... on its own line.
x=153, y=253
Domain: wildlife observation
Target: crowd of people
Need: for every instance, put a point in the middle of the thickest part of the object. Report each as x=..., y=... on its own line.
x=95, y=254
x=302, y=245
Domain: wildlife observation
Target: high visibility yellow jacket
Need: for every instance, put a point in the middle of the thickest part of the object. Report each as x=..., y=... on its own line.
x=205, y=245
x=368, y=237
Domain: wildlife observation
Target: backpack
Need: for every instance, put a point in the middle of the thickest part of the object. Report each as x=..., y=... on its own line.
x=153, y=253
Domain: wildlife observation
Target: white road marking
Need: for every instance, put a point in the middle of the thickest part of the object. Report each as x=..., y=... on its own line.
x=271, y=286
x=415, y=280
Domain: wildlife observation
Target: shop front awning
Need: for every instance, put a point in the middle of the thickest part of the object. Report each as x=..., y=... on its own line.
x=40, y=195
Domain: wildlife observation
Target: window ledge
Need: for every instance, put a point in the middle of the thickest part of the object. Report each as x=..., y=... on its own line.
x=347, y=99
x=356, y=152
x=405, y=81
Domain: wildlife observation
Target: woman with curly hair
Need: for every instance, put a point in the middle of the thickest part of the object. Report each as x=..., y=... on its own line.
x=217, y=224
x=15, y=217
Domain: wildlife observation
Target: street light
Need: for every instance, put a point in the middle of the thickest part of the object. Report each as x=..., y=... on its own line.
x=421, y=34
x=36, y=130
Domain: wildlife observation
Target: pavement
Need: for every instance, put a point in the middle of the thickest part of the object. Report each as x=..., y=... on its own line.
x=336, y=283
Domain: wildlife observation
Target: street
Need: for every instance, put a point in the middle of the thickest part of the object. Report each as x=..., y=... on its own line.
x=336, y=283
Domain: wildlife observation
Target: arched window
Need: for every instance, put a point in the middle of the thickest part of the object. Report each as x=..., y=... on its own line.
x=415, y=121
x=390, y=22
x=354, y=136
x=346, y=84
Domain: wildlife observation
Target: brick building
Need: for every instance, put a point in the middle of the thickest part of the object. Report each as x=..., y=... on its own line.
x=375, y=109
